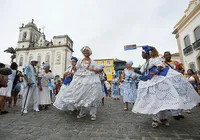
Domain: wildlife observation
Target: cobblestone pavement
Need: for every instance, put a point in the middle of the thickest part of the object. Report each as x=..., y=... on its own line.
x=112, y=124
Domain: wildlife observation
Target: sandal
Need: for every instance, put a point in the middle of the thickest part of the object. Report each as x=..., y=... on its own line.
x=155, y=124
x=125, y=109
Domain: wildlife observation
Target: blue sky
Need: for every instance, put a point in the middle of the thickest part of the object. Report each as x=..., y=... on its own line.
x=105, y=25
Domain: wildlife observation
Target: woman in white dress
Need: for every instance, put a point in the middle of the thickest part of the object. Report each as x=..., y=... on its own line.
x=129, y=83
x=44, y=94
x=68, y=76
x=115, y=87
x=162, y=89
x=84, y=92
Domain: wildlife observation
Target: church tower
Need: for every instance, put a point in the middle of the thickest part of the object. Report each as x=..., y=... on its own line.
x=28, y=35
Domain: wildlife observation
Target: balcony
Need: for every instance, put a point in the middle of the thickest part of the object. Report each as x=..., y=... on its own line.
x=119, y=67
x=196, y=45
x=188, y=50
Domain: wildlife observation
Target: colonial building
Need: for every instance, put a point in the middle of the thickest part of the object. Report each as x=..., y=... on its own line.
x=187, y=32
x=108, y=67
x=32, y=43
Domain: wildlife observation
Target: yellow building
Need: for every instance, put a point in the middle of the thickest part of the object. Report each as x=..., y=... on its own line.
x=108, y=67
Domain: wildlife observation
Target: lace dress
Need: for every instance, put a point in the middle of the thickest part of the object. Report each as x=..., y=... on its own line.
x=160, y=93
x=115, y=88
x=84, y=90
x=130, y=91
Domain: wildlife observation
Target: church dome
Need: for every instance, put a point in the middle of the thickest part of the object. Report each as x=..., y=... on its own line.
x=31, y=24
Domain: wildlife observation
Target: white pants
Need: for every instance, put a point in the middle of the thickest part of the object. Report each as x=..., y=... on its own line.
x=176, y=112
x=33, y=92
x=92, y=110
x=160, y=115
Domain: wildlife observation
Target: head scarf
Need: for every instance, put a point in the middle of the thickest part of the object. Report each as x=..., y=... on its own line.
x=74, y=58
x=45, y=66
x=130, y=62
x=86, y=47
x=101, y=67
x=147, y=49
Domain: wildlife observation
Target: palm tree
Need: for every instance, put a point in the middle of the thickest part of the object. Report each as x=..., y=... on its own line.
x=12, y=51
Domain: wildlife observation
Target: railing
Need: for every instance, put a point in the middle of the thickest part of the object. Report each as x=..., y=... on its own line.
x=196, y=45
x=188, y=50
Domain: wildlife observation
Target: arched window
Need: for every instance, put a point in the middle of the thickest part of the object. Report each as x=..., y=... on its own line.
x=47, y=59
x=58, y=58
x=24, y=35
x=21, y=61
x=197, y=33
x=187, y=41
x=30, y=57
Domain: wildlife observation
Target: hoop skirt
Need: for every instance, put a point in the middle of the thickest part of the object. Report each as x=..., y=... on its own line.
x=161, y=93
x=84, y=91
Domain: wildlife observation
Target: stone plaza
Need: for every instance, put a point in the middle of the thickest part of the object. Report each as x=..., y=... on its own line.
x=112, y=124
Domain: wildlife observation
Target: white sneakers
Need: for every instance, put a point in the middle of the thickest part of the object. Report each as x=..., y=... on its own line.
x=93, y=117
x=25, y=112
x=155, y=124
x=36, y=110
x=81, y=116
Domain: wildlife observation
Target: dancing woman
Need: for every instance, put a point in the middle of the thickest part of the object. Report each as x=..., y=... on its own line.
x=84, y=92
x=129, y=83
x=115, y=87
x=162, y=89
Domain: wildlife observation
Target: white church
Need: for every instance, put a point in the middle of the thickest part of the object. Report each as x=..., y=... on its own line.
x=32, y=43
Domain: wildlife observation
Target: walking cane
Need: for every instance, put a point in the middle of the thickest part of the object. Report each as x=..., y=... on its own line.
x=25, y=100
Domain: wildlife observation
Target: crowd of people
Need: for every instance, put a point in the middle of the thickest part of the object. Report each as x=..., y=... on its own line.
x=160, y=86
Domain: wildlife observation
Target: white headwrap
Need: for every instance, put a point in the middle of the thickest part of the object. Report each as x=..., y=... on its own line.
x=88, y=48
x=45, y=66
x=130, y=62
x=101, y=67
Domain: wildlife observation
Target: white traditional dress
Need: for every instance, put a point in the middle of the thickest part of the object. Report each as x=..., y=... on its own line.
x=130, y=91
x=44, y=95
x=161, y=93
x=84, y=91
x=63, y=87
x=115, y=88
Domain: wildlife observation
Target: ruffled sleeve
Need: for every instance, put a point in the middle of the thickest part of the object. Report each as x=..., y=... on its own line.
x=27, y=70
x=157, y=62
x=78, y=64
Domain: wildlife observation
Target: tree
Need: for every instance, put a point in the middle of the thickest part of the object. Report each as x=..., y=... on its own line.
x=12, y=51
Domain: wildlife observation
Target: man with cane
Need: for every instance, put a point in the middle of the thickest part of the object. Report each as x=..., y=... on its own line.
x=31, y=90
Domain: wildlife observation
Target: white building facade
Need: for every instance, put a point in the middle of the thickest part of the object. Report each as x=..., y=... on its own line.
x=33, y=44
x=187, y=32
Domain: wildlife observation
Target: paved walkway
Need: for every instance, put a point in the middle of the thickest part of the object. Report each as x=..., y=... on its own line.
x=112, y=124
